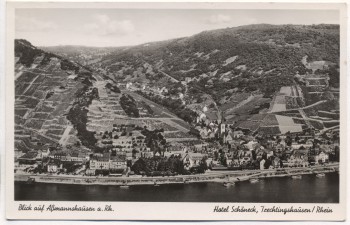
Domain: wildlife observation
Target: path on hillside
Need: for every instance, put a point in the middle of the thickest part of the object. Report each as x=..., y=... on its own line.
x=329, y=128
x=302, y=113
x=30, y=84
x=312, y=119
x=65, y=135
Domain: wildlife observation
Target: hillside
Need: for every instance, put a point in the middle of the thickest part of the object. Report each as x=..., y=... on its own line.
x=232, y=74
x=48, y=90
x=248, y=58
x=61, y=103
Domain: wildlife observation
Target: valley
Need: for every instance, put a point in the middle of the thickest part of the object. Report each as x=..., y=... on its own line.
x=250, y=97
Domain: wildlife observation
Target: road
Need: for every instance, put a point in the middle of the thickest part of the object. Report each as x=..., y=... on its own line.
x=220, y=176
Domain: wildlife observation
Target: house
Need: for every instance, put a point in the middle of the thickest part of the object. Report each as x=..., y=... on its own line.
x=45, y=153
x=262, y=164
x=279, y=147
x=321, y=158
x=269, y=153
x=99, y=163
x=90, y=172
x=60, y=155
x=147, y=154
x=251, y=145
x=234, y=163
x=52, y=168
x=117, y=162
x=129, y=155
x=297, y=159
x=192, y=159
x=83, y=156
x=229, y=138
x=276, y=162
x=201, y=146
x=238, y=134
x=209, y=161
x=75, y=156
x=259, y=155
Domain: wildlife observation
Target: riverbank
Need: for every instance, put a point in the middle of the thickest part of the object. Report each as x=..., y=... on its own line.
x=212, y=176
x=309, y=189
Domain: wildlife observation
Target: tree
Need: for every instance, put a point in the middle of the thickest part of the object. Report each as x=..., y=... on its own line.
x=267, y=163
x=203, y=166
x=223, y=159
x=254, y=155
x=216, y=155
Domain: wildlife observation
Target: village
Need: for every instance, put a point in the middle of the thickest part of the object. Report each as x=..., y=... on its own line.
x=219, y=147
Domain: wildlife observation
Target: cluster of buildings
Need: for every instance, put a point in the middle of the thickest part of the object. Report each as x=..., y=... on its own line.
x=232, y=149
x=221, y=146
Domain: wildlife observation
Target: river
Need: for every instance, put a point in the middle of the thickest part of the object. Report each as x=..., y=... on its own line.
x=309, y=189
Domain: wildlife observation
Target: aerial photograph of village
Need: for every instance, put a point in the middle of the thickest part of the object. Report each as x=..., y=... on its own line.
x=176, y=105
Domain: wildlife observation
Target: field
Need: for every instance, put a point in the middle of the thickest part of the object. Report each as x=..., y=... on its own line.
x=248, y=107
x=287, y=124
x=289, y=97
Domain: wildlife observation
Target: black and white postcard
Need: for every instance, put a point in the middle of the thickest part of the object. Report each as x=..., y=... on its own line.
x=176, y=111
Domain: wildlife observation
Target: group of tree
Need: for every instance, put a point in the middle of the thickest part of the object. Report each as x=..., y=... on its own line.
x=149, y=166
x=129, y=105
x=77, y=115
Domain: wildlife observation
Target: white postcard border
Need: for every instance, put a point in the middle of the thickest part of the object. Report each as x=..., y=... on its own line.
x=168, y=210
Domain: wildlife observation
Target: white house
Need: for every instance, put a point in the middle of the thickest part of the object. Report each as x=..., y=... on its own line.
x=322, y=157
x=238, y=134
x=262, y=164
x=193, y=159
x=52, y=168
x=117, y=163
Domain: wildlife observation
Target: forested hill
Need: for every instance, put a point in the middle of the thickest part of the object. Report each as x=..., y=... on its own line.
x=240, y=57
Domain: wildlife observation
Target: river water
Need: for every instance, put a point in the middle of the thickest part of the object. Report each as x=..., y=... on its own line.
x=309, y=189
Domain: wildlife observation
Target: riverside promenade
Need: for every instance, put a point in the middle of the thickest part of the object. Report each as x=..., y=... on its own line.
x=209, y=176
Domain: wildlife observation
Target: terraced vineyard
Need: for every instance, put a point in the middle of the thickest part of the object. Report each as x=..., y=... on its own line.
x=44, y=93
x=106, y=112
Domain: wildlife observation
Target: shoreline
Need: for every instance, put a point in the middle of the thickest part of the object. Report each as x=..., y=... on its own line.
x=212, y=176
